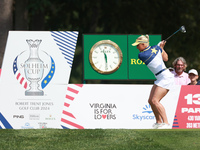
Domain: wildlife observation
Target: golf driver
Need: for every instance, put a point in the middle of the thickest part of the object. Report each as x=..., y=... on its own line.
x=182, y=29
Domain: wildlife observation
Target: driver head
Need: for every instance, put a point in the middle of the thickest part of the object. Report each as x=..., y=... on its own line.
x=183, y=29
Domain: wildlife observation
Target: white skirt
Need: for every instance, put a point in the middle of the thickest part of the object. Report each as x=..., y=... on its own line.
x=165, y=80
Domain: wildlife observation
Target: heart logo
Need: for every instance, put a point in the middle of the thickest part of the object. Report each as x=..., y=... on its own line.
x=104, y=116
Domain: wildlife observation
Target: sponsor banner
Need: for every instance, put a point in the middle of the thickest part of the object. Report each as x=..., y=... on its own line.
x=91, y=106
x=35, y=71
x=188, y=108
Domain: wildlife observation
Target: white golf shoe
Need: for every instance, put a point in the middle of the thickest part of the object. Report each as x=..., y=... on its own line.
x=156, y=125
x=164, y=126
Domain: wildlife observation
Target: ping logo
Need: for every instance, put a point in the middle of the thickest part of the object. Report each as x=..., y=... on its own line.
x=18, y=116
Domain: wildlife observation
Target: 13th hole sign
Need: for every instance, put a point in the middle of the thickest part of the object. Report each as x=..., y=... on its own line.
x=188, y=108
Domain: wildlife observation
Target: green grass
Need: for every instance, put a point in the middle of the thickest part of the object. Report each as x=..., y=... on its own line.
x=99, y=139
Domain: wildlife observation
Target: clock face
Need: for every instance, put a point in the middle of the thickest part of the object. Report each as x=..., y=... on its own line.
x=105, y=57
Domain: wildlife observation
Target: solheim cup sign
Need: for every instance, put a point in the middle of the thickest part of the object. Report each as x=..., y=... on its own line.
x=35, y=73
x=34, y=68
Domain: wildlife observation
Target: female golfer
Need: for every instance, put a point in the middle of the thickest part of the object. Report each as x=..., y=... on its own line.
x=154, y=57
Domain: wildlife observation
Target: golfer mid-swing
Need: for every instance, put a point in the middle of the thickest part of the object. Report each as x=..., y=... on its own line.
x=154, y=57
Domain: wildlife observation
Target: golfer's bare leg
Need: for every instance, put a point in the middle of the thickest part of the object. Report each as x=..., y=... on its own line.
x=156, y=95
x=157, y=116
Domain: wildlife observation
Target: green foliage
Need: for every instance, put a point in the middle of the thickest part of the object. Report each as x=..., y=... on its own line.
x=123, y=17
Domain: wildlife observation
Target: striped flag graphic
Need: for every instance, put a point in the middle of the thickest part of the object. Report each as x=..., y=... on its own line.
x=175, y=123
x=4, y=124
x=68, y=120
x=49, y=76
x=66, y=41
x=18, y=75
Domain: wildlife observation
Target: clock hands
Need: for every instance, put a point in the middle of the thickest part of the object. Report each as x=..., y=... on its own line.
x=105, y=56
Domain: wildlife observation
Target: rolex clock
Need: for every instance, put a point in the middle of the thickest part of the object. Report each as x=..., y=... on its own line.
x=105, y=57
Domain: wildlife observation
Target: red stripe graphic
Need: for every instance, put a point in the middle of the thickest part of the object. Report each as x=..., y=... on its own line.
x=66, y=104
x=20, y=78
x=68, y=114
x=71, y=123
x=21, y=81
x=18, y=75
x=80, y=85
x=72, y=90
x=25, y=85
x=70, y=96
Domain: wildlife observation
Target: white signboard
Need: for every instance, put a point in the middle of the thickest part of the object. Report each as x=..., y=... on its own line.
x=90, y=106
x=35, y=71
x=35, y=92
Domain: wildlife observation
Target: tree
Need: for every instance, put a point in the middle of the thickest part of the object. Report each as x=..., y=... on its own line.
x=6, y=12
x=20, y=15
x=110, y=17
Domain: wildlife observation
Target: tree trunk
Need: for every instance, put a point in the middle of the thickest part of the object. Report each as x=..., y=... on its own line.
x=5, y=24
x=21, y=15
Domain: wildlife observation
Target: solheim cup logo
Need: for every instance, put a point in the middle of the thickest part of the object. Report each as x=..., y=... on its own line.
x=34, y=71
x=34, y=68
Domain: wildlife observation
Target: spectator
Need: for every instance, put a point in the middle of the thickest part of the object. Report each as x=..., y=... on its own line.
x=181, y=77
x=193, y=75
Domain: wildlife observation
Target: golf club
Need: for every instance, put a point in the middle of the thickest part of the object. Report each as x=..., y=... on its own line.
x=182, y=29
